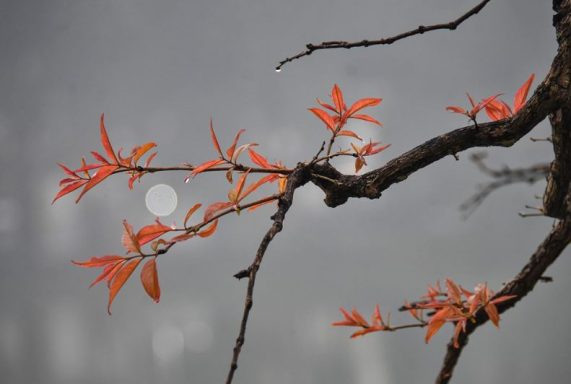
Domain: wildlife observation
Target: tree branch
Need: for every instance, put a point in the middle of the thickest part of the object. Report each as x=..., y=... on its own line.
x=521, y=285
x=452, y=25
x=338, y=187
x=502, y=177
x=295, y=180
x=559, y=172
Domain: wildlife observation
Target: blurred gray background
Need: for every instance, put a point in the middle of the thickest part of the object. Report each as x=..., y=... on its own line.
x=159, y=71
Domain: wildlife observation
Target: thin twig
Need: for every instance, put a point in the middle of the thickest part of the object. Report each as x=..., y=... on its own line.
x=295, y=180
x=310, y=48
x=502, y=177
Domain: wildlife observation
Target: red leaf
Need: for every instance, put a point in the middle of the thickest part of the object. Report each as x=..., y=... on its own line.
x=367, y=118
x=258, y=159
x=327, y=106
x=106, y=142
x=151, y=232
x=433, y=327
x=107, y=272
x=349, y=133
x=498, y=110
x=69, y=188
x=493, y=314
x=149, y=159
x=150, y=280
x=230, y=151
x=209, y=230
x=183, y=237
x=360, y=104
x=67, y=170
x=212, y=209
x=521, y=94
x=241, y=149
x=120, y=278
x=256, y=206
x=206, y=165
x=99, y=158
x=215, y=140
x=190, y=212
x=324, y=116
x=102, y=174
x=337, y=97
x=129, y=240
x=97, y=262
x=140, y=152
x=456, y=109
x=252, y=187
x=234, y=194
x=88, y=167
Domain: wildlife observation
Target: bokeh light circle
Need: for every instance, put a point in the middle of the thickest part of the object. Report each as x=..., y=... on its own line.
x=161, y=200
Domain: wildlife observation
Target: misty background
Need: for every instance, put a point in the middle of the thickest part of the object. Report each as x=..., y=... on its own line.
x=159, y=71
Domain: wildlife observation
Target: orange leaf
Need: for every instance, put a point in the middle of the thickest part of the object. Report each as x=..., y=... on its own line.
x=150, y=280
x=493, y=314
x=349, y=133
x=209, y=230
x=454, y=292
x=230, y=151
x=501, y=299
x=183, y=237
x=69, y=188
x=149, y=159
x=120, y=278
x=498, y=110
x=142, y=150
x=359, y=318
x=456, y=109
x=337, y=97
x=256, y=206
x=107, y=272
x=102, y=174
x=215, y=140
x=151, y=232
x=241, y=149
x=258, y=184
x=367, y=118
x=364, y=331
x=433, y=327
x=67, y=170
x=105, y=141
x=521, y=94
x=213, y=208
x=258, y=159
x=99, y=158
x=206, y=165
x=327, y=106
x=234, y=194
x=129, y=240
x=360, y=104
x=191, y=211
x=324, y=116
x=98, y=262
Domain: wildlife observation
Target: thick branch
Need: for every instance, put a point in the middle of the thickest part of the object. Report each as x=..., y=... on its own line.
x=560, y=172
x=295, y=180
x=338, y=187
x=452, y=25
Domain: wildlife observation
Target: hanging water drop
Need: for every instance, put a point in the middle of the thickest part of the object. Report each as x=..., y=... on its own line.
x=278, y=69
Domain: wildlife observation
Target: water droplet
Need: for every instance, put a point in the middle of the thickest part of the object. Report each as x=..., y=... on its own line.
x=278, y=70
